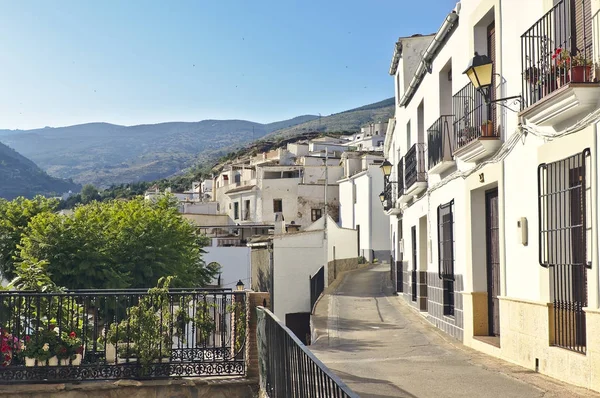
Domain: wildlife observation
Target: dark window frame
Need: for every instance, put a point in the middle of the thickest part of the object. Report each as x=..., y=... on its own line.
x=316, y=214
x=446, y=254
x=275, y=202
x=236, y=210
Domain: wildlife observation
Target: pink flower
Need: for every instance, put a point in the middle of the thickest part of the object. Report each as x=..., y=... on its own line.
x=72, y=335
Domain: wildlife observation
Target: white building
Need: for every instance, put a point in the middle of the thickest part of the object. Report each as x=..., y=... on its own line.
x=370, y=138
x=491, y=200
x=360, y=206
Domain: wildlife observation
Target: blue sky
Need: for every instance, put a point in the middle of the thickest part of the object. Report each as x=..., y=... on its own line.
x=132, y=62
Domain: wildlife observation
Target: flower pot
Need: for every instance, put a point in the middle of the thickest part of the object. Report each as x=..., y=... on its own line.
x=53, y=361
x=487, y=130
x=581, y=74
x=110, y=353
x=74, y=362
x=29, y=361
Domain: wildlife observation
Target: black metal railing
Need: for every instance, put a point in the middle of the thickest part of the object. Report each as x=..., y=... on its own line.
x=472, y=117
x=400, y=177
x=387, y=197
x=414, y=165
x=288, y=368
x=563, y=188
x=121, y=334
x=439, y=141
x=557, y=50
x=317, y=285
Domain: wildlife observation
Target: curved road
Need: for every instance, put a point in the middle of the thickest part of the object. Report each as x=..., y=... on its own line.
x=381, y=348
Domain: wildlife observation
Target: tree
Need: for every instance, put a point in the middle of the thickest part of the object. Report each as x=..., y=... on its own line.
x=89, y=193
x=14, y=218
x=118, y=244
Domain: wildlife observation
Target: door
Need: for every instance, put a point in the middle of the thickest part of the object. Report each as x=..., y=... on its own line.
x=493, y=261
x=413, y=237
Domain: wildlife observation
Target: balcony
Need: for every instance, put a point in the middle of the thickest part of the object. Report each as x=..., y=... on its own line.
x=439, y=145
x=415, y=174
x=475, y=131
x=559, y=82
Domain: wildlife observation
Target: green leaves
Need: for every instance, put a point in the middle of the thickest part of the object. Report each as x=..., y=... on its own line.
x=115, y=244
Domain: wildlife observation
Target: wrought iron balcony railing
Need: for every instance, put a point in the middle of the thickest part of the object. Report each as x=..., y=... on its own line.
x=473, y=118
x=439, y=140
x=400, y=178
x=121, y=334
x=414, y=165
x=557, y=50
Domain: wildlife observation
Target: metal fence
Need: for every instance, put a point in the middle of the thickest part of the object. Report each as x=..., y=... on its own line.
x=317, y=284
x=121, y=334
x=439, y=141
x=472, y=117
x=288, y=369
x=414, y=165
x=557, y=50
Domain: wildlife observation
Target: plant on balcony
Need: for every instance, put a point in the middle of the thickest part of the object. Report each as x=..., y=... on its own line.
x=466, y=135
x=571, y=68
x=69, y=349
x=145, y=333
x=487, y=129
x=9, y=346
x=41, y=346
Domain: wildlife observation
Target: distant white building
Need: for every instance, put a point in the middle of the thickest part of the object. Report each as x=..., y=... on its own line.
x=370, y=138
x=360, y=205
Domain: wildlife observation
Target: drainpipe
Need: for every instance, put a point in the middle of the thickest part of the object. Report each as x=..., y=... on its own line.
x=370, y=212
x=595, y=252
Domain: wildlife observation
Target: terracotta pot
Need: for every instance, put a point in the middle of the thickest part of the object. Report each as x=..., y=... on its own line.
x=487, y=130
x=581, y=74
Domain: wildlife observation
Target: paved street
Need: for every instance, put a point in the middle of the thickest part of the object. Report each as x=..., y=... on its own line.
x=381, y=348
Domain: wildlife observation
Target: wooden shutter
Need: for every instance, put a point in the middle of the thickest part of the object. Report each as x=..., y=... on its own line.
x=582, y=34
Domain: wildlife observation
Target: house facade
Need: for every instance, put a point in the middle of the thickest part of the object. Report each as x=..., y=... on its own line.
x=492, y=198
x=360, y=205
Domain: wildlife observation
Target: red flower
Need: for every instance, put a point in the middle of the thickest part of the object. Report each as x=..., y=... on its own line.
x=27, y=338
x=7, y=357
x=72, y=335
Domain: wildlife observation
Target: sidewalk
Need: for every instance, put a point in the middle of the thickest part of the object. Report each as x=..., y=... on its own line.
x=382, y=348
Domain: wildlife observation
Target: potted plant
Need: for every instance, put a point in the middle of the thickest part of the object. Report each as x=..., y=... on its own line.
x=487, y=129
x=69, y=349
x=9, y=346
x=581, y=69
x=562, y=62
x=41, y=347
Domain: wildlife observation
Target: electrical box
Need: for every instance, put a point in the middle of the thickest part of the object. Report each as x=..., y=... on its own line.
x=522, y=231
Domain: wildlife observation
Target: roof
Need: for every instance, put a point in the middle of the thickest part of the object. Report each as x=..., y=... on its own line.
x=241, y=189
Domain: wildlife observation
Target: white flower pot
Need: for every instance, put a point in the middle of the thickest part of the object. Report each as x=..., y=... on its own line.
x=29, y=361
x=75, y=362
x=53, y=361
x=111, y=353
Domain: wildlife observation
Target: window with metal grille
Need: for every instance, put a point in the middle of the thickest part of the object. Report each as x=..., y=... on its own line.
x=445, y=219
x=315, y=214
x=563, y=194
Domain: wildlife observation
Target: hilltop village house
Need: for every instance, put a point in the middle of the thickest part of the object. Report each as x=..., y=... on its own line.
x=492, y=188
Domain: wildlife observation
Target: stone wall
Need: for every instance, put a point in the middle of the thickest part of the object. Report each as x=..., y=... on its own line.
x=261, y=270
x=337, y=266
x=183, y=388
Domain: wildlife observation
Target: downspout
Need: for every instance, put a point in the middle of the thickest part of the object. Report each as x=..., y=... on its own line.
x=502, y=213
x=595, y=253
x=428, y=56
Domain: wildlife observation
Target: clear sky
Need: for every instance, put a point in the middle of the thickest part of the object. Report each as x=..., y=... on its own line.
x=132, y=62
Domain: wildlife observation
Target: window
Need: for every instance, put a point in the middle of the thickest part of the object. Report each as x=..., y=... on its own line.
x=237, y=178
x=277, y=205
x=563, y=244
x=236, y=210
x=315, y=214
x=246, y=210
x=445, y=220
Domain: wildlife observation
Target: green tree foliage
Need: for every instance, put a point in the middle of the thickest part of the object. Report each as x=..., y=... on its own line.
x=14, y=217
x=89, y=193
x=117, y=244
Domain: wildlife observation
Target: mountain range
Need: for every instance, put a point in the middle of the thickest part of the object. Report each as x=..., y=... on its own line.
x=104, y=154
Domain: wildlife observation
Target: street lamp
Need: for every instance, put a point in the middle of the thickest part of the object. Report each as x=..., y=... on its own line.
x=240, y=286
x=382, y=197
x=480, y=71
x=386, y=168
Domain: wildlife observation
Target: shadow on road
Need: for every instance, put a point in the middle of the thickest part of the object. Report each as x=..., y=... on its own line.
x=387, y=389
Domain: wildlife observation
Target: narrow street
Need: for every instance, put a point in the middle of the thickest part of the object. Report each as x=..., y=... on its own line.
x=382, y=348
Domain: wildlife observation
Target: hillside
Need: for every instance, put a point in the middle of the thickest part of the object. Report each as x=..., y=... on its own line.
x=350, y=120
x=105, y=154
x=19, y=176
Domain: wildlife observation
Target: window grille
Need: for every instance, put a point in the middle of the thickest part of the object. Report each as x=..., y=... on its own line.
x=445, y=218
x=563, y=194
